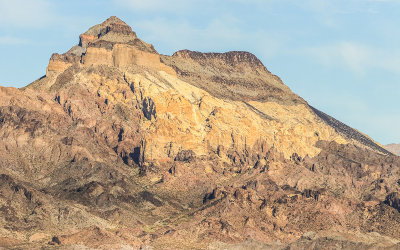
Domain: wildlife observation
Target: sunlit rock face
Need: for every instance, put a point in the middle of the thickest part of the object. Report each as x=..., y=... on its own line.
x=111, y=43
x=202, y=100
x=119, y=146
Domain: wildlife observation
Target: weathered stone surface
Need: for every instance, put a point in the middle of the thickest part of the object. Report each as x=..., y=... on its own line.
x=120, y=147
x=185, y=155
x=111, y=43
x=235, y=75
x=393, y=200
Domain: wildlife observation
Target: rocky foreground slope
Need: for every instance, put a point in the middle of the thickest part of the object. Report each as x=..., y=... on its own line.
x=119, y=146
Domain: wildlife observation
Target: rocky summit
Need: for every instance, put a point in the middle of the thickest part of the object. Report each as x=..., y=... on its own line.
x=118, y=146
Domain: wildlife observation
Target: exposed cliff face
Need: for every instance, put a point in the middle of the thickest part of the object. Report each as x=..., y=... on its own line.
x=111, y=43
x=209, y=86
x=119, y=146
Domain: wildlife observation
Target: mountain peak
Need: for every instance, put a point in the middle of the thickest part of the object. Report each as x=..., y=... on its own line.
x=114, y=19
x=112, y=43
x=119, y=146
x=113, y=30
x=111, y=20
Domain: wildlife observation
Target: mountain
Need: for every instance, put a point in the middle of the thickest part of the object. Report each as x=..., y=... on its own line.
x=118, y=146
x=394, y=148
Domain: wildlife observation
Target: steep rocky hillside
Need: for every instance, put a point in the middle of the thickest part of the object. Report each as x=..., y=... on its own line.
x=119, y=146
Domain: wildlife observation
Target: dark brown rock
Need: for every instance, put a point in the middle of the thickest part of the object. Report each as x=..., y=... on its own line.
x=185, y=155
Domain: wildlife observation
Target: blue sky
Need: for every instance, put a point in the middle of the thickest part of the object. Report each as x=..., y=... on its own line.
x=342, y=56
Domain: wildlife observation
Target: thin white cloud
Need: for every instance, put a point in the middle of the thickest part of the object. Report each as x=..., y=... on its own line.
x=383, y=1
x=156, y=5
x=346, y=54
x=356, y=57
x=361, y=113
x=184, y=5
x=342, y=6
x=10, y=40
x=330, y=13
x=25, y=13
x=220, y=34
x=379, y=123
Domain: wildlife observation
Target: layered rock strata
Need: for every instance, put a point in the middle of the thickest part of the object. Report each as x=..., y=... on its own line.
x=119, y=146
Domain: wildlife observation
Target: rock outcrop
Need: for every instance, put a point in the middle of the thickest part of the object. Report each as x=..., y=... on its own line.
x=111, y=43
x=119, y=146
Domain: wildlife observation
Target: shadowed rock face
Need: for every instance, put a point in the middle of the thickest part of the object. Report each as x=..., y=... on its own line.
x=118, y=146
x=232, y=58
x=235, y=75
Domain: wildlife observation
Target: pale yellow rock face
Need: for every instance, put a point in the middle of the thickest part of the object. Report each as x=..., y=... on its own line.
x=85, y=39
x=57, y=66
x=123, y=56
x=97, y=56
x=187, y=117
x=190, y=118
